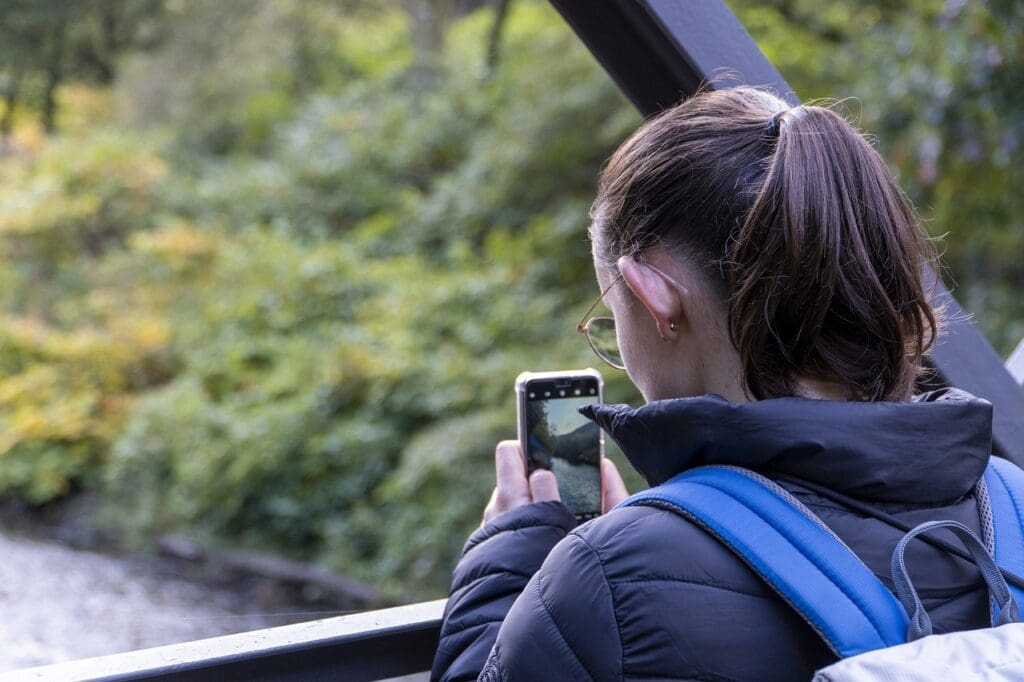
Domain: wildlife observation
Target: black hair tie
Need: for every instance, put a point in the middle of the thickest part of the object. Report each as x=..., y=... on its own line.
x=774, y=126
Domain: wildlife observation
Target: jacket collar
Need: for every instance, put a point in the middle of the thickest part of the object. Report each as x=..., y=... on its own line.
x=927, y=451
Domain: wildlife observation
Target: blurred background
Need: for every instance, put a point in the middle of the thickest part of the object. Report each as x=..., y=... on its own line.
x=270, y=268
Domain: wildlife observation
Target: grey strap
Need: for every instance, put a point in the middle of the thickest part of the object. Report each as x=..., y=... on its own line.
x=920, y=623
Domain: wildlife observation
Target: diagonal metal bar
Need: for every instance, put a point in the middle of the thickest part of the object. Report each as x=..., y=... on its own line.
x=963, y=358
x=659, y=51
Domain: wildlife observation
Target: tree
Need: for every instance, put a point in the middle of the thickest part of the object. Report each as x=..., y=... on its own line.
x=45, y=43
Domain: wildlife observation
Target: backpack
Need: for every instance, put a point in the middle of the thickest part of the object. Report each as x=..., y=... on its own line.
x=877, y=635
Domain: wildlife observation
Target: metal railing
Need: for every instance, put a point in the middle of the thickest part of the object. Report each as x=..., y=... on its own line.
x=372, y=645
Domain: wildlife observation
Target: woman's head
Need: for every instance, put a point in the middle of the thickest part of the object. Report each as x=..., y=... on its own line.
x=787, y=240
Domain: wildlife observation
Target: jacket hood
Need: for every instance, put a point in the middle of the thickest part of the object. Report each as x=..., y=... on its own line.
x=930, y=450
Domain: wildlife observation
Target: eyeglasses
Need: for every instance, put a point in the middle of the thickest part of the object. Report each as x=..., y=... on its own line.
x=600, y=331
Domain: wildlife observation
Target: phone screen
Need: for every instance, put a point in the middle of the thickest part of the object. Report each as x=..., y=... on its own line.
x=559, y=438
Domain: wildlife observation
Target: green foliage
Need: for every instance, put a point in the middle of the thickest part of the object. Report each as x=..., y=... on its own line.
x=71, y=361
x=284, y=308
x=76, y=200
x=337, y=303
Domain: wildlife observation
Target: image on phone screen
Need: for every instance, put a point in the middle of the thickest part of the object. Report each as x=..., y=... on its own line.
x=559, y=438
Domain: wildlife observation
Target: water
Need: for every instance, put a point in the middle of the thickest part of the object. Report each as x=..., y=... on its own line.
x=62, y=604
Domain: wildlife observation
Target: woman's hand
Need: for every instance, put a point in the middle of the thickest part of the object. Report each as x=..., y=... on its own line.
x=515, y=490
x=611, y=482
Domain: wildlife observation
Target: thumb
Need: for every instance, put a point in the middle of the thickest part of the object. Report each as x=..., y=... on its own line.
x=544, y=486
x=611, y=480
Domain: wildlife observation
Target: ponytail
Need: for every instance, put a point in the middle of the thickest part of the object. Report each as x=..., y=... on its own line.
x=827, y=276
x=819, y=255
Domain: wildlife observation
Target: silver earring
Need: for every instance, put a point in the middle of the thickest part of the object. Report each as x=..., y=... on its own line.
x=673, y=326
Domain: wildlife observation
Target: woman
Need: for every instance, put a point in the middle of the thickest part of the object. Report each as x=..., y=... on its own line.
x=765, y=276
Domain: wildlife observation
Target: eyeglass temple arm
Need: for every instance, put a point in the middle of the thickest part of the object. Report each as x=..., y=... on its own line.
x=582, y=324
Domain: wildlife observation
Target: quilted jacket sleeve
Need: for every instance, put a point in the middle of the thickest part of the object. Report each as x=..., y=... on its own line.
x=563, y=626
x=497, y=562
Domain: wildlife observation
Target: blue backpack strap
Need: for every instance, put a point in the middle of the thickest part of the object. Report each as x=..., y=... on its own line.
x=1005, y=483
x=808, y=566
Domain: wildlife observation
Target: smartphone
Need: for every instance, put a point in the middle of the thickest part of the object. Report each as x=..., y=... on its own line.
x=555, y=436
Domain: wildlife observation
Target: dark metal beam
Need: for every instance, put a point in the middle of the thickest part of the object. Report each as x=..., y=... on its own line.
x=963, y=358
x=659, y=51
x=364, y=646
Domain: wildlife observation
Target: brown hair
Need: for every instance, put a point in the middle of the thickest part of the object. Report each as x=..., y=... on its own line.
x=798, y=221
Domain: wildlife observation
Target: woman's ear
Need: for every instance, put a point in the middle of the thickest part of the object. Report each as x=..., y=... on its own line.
x=662, y=300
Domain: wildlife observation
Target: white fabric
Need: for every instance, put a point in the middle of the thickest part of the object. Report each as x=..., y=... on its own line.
x=991, y=654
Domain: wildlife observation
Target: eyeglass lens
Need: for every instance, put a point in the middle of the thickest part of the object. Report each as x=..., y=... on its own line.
x=601, y=335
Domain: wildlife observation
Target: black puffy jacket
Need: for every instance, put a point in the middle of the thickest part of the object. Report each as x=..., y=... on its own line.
x=643, y=594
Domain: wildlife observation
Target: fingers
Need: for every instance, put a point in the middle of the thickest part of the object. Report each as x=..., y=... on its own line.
x=490, y=511
x=512, y=489
x=544, y=486
x=611, y=481
x=510, y=467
